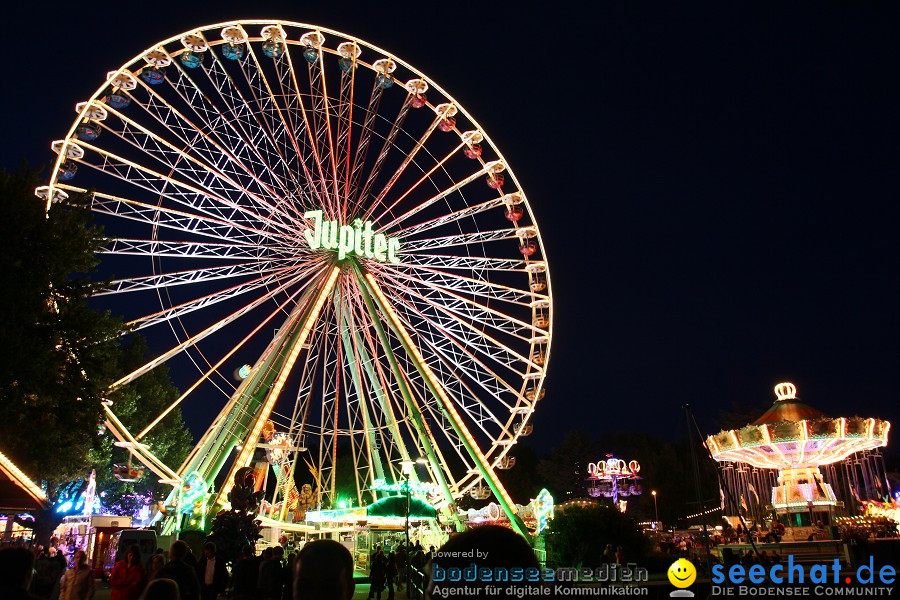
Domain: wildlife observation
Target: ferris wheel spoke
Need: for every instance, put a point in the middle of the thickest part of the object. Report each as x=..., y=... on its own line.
x=213, y=139
x=461, y=239
x=436, y=426
x=389, y=141
x=329, y=417
x=206, y=174
x=385, y=413
x=237, y=155
x=164, y=280
x=370, y=427
x=281, y=121
x=193, y=340
x=278, y=276
x=453, y=374
x=321, y=120
x=434, y=415
x=420, y=419
x=188, y=194
x=445, y=342
x=443, y=262
x=459, y=307
x=426, y=176
x=366, y=347
x=367, y=463
x=455, y=216
x=245, y=146
x=469, y=338
x=168, y=218
x=401, y=168
x=347, y=52
x=300, y=418
x=436, y=419
x=455, y=283
x=215, y=368
x=364, y=284
x=304, y=126
x=258, y=126
x=141, y=451
x=458, y=185
x=433, y=385
x=362, y=147
x=183, y=249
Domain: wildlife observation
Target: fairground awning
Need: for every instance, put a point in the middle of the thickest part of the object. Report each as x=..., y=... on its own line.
x=17, y=492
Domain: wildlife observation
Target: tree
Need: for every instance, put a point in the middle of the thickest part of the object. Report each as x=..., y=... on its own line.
x=577, y=536
x=739, y=414
x=57, y=355
x=136, y=405
x=565, y=470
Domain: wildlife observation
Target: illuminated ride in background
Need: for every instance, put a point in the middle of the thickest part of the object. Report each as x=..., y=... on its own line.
x=797, y=441
x=614, y=479
x=295, y=200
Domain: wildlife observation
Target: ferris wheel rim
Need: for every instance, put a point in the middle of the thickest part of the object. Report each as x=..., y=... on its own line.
x=497, y=451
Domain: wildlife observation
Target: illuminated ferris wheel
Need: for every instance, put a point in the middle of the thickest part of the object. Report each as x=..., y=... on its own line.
x=333, y=247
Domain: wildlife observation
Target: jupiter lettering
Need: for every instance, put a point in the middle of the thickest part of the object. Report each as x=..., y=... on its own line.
x=357, y=239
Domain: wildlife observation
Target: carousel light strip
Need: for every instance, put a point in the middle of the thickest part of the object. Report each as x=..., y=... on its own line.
x=10, y=469
x=250, y=446
x=706, y=512
x=805, y=503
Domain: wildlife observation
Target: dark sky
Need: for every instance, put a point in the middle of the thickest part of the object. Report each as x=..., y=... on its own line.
x=717, y=187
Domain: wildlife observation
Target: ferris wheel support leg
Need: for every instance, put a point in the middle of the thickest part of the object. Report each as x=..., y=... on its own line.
x=376, y=470
x=287, y=366
x=434, y=386
x=386, y=407
x=415, y=414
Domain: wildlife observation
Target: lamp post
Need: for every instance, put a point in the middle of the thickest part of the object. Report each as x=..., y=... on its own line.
x=656, y=509
x=406, y=466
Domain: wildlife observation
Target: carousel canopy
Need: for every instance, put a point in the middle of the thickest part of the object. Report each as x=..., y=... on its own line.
x=792, y=435
x=789, y=409
x=395, y=506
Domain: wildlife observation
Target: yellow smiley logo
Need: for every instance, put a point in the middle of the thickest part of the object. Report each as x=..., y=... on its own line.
x=682, y=573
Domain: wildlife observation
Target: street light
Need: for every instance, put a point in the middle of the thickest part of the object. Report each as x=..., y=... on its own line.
x=656, y=509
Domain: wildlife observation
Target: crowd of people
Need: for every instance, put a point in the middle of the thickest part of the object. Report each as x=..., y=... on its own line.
x=178, y=576
x=320, y=570
x=388, y=571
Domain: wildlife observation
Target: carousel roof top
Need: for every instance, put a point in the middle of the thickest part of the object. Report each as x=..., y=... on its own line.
x=788, y=407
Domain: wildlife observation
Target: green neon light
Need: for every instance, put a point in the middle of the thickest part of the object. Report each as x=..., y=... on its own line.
x=358, y=239
x=416, y=487
x=542, y=506
x=193, y=489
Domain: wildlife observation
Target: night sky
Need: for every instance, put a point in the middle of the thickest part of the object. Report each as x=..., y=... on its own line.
x=716, y=186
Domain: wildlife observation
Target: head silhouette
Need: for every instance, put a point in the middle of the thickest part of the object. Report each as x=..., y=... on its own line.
x=323, y=570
